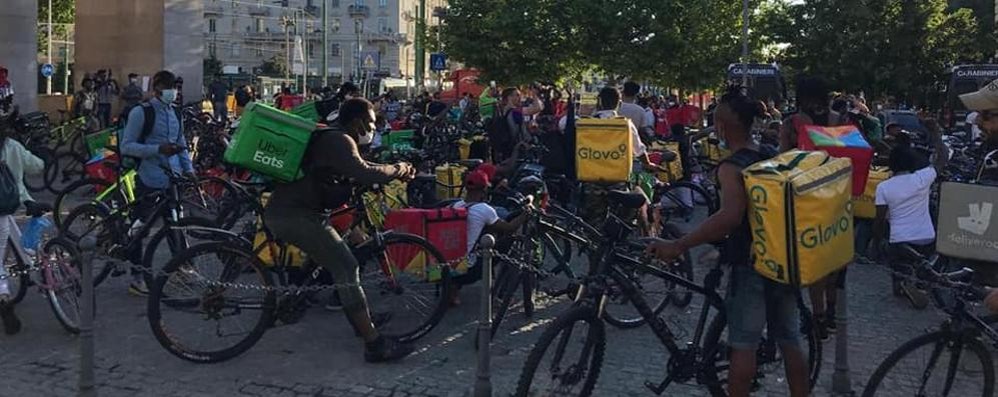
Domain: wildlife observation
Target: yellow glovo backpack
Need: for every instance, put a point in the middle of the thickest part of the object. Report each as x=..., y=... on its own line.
x=603, y=150
x=800, y=211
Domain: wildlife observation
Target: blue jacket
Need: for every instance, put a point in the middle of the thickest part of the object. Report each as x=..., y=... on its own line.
x=167, y=129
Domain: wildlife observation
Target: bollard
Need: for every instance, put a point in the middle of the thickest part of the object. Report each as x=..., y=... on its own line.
x=483, y=381
x=841, y=384
x=87, y=387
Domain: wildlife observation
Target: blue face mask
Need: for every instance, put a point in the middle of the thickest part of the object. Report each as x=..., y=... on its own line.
x=722, y=144
x=169, y=95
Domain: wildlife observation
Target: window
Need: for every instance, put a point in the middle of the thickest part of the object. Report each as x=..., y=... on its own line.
x=334, y=49
x=259, y=52
x=335, y=3
x=358, y=3
x=212, y=28
x=383, y=3
x=383, y=25
x=211, y=49
x=234, y=50
x=311, y=50
x=259, y=25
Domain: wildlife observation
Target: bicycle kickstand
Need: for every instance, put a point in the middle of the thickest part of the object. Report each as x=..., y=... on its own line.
x=659, y=388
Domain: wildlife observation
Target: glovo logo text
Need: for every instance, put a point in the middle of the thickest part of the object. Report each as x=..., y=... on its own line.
x=759, y=198
x=588, y=153
x=812, y=237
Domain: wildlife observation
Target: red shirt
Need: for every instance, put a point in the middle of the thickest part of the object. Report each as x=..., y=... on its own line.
x=662, y=123
x=675, y=115
x=691, y=115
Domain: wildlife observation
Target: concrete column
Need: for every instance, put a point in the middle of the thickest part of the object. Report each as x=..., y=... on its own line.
x=141, y=37
x=19, y=50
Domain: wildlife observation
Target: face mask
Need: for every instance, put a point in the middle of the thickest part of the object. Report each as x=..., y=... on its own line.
x=169, y=96
x=365, y=139
x=133, y=81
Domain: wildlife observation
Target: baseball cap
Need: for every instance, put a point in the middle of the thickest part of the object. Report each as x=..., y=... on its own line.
x=984, y=99
x=477, y=179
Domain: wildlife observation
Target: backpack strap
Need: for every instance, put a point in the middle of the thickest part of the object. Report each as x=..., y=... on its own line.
x=148, y=121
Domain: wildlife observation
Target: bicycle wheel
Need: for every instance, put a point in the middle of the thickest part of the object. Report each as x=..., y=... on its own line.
x=94, y=220
x=942, y=363
x=61, y=173
x=409, y=279
x=17, y=275
x=35, y=184
x=211, y=198
x=619, y=310
x=169, y=241
x=63, y=285
x=507, y=284
x=574, y=364
x=79, y=191
x=211, y=303
x=769, y=358
x=686, y=205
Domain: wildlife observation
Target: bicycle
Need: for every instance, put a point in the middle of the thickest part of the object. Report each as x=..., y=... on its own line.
x=702, y=359
x=403, y=275
x=54, y=270
x=119, y=237
x=962, y=333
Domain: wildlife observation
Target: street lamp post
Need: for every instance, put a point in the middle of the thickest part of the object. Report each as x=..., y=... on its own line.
x=358, y=28
x=745, y=23
x=325, y=44
x=48, y=80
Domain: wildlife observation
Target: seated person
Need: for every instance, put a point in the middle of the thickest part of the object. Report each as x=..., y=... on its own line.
x=482, y=219
x=903, y=203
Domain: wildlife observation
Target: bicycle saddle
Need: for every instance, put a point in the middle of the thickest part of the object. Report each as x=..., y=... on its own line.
x=626, y=199
x=713, y=141
x=668, y=156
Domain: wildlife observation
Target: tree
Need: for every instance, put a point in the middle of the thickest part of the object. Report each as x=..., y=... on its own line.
x=276, y=66
x=211, y=67
x=63, y=14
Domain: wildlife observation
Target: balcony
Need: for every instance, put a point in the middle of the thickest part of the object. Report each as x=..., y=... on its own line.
x=387, y=37
x=212, y=10
x=359, y=11
x=258, y=11
x=313, y=10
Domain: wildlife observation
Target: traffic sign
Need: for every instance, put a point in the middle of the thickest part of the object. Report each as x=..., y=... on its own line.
x=370, y=60
x=438, y=61
x=48, y=70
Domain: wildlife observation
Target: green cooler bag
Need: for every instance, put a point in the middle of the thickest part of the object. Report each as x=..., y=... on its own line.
x=307, y=111
x=270, y=142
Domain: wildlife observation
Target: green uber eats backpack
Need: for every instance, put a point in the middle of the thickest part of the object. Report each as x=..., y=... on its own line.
x=270, y=142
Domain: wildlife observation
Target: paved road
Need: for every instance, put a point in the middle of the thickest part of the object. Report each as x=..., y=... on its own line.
x=320, y=357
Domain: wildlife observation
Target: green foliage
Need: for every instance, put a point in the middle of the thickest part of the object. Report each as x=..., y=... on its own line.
x=276, y=66
x=898, y=48
x=211, y=67
x=63, y=12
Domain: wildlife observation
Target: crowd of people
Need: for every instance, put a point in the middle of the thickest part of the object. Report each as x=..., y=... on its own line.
x=540, y=114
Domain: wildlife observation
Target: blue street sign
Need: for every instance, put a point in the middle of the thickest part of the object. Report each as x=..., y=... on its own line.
x=438, y=61
x=370, y=60
x=48, y=70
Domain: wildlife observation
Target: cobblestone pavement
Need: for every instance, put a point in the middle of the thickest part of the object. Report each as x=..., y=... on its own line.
x=320, y=356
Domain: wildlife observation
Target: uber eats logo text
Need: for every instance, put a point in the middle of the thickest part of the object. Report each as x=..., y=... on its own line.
x=588, y=153
x=760, y=245
x=823, y=234
x=268, y=153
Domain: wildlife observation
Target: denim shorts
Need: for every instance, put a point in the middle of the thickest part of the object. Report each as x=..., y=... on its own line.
x=753, y=302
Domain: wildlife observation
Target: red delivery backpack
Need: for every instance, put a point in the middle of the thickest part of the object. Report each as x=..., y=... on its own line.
x=445, y=228
x=843, y=141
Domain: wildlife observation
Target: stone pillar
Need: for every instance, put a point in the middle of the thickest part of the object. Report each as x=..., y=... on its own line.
x=19, y=50
x=141, y=37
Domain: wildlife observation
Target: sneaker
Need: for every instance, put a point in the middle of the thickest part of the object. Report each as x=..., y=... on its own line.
x=820, y=329
x=334, y=304
x=11, y=324
x=830, y=324
x=386, y=349
x=138, y=288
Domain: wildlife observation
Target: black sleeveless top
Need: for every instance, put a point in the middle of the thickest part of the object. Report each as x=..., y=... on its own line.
x=736, y=250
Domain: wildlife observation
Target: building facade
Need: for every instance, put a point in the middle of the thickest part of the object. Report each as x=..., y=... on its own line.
x=244, y=34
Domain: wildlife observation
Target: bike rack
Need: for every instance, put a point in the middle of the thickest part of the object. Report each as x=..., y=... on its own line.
x=483, y=380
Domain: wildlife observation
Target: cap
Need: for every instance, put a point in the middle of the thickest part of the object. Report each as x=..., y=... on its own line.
x=489, y=169
x=984, y=99
x=477, y=179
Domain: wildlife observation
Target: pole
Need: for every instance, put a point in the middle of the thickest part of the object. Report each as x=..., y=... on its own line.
x=995, y=27
x=420, y=45
x=87, y=386
x=65, y=70
x=287, y=46
x=358, y=27
x=483, y=379
x=325, y=44
x=841, y=383
x=745, y=22
x=48, y=80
